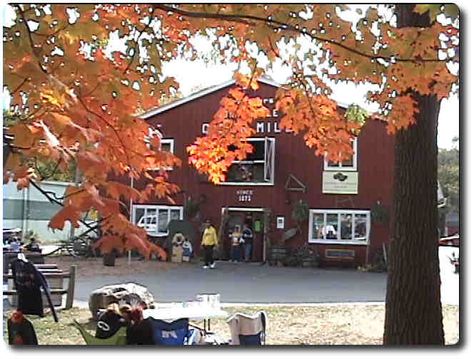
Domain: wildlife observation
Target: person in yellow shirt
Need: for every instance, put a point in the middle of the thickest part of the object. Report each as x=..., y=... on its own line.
x=209, y=240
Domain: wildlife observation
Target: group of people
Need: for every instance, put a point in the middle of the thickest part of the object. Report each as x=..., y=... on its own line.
x=14, y=244
x=139, y=330
x=241, y=243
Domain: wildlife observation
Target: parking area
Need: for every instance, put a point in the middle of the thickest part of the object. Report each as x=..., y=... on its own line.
x=254, y=283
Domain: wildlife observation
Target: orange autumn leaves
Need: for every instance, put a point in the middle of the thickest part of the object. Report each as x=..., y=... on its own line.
x=77, y=100
x=225, y=142
x=318, y=118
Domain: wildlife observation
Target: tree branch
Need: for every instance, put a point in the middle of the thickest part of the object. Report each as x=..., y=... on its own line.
x=150, y=19
x=245, y=19
x=55, y=201
x=109, y=125
x=30, y=39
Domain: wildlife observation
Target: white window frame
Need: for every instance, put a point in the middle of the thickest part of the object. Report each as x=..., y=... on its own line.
x=169, y=141
x=157, y=208
x=162, y=141
x=340, y=166
x=339, y=212
x=268, y=164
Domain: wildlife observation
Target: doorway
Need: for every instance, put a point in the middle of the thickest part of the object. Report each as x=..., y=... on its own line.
x=238, y=216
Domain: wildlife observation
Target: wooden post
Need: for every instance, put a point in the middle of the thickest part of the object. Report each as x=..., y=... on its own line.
x=70, y=287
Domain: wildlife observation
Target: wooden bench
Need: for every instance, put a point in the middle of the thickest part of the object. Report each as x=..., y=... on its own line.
x=51, y=271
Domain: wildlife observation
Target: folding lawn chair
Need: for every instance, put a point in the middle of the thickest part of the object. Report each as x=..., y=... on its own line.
x=173, y=333
x=247, y=329
x=119, y=338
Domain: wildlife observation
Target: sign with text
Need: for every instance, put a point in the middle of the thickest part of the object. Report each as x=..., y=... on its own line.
x=244, y=195
x=339, y=182
x=265, y=126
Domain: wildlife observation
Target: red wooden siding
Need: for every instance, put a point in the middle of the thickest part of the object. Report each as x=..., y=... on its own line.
x=374, y=165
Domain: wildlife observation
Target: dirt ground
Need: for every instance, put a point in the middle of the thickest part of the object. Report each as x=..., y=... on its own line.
x=322, y=324
x=89, y=267
x=287, y=325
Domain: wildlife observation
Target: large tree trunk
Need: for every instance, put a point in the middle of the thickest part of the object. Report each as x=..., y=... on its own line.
x=413, y=313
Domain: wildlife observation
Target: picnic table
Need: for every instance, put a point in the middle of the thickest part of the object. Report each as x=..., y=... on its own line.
x=191, y=310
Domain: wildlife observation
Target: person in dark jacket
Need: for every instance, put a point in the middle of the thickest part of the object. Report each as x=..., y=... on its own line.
x=33, y=246
x=20, y=330
x=28, y=283
x=247, y=236
x=139, y=331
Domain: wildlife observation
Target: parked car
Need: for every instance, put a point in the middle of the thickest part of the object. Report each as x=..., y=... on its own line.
x=452, y=241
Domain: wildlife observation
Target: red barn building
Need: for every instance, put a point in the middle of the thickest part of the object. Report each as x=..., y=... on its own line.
x=342, y=207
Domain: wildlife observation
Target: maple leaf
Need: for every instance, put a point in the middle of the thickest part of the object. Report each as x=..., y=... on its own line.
x=67, y=213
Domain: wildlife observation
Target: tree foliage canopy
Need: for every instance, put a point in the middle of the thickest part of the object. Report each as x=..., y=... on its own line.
x=448, y=175
x=79, y=97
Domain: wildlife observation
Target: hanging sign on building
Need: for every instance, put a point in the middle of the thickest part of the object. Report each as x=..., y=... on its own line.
x=335, y=182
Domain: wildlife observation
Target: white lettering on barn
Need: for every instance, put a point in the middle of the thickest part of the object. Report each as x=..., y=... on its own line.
x=263, y=127
x=244, y=195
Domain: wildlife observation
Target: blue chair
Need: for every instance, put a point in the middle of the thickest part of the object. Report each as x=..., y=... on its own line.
x=177, y=332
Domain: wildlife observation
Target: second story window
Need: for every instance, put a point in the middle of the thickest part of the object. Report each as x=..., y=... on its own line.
x=347, y=165
x=258, y=167
x=166, y=144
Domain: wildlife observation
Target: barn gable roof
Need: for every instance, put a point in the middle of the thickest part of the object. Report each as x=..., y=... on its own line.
x=199, y=94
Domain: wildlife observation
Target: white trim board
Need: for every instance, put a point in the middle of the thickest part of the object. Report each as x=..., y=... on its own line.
x=242, y=209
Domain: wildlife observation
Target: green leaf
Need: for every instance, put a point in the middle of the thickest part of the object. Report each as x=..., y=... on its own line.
x=357, y=114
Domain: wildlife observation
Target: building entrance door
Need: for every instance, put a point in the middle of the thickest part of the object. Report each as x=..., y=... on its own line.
x=237, y=217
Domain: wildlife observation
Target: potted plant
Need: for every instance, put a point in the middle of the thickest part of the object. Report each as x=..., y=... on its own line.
x=300, y=213
x=191, y=208
x=379, y=213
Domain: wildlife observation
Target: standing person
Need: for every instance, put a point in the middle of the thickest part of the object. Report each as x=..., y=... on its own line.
x=209, y=240
x=247, y=236
x=235, y=242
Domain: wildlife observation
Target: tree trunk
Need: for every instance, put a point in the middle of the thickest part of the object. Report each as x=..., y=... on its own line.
x=413, y=312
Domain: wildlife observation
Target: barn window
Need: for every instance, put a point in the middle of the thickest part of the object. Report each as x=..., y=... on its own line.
x=347, y=165
x=166, y=145
x=339, y=226
x=155, y=218
x=258, y=167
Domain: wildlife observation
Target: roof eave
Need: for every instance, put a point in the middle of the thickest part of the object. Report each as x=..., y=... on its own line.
x=197, y=95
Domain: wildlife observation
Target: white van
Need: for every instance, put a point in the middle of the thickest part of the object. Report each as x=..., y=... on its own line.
x=149, y=223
